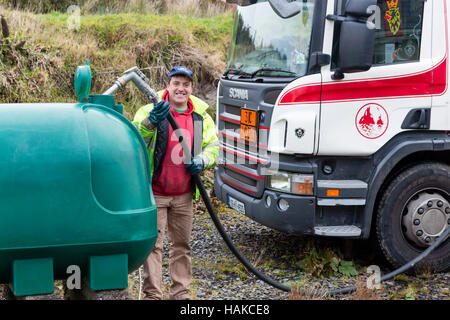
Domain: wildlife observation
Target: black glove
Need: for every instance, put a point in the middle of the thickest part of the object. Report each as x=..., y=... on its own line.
x=196, y=165
x=159, y=113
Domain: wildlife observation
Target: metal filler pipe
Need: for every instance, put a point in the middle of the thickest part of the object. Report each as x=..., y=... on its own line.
x=141, y=81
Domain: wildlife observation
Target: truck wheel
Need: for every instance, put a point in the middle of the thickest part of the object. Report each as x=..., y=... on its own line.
x=414, y=210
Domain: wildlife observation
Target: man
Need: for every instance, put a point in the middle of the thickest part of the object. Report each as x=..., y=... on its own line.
x=171, y=178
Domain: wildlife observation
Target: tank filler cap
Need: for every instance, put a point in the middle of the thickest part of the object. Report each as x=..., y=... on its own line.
x=83, y=78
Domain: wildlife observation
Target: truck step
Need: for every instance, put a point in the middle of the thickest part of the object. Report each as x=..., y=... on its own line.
x=340, y=202
x=338, y=231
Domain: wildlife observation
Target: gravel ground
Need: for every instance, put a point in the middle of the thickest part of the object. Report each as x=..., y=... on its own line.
x=217, y=274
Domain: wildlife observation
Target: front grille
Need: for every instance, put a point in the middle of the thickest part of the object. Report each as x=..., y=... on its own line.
x=240, y=161
x=241, y=177
x=271, y=96
x=231, y=126
x=233, y=110
x=239, y=158
x=252, y=166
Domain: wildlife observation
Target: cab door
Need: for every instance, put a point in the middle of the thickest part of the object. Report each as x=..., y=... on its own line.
x=440, y=111
x=364, y=110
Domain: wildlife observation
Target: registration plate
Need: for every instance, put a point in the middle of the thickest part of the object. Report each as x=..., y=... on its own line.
x=236, y=205
x=249, y=123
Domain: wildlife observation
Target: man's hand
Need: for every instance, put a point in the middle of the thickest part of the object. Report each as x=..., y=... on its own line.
x=159, y=113
x=196, y=165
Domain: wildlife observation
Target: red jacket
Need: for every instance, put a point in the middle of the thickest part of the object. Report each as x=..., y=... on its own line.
x=172, y=178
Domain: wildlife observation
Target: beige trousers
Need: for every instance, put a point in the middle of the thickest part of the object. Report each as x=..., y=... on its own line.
x=175, y=213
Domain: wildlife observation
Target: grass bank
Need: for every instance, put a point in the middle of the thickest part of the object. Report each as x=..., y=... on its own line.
x=193, y=8
x=39, y=55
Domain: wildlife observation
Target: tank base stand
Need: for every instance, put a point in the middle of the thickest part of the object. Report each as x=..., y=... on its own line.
x=8, y=295
x=32, y=277
x=85, y=293
x=108, y=272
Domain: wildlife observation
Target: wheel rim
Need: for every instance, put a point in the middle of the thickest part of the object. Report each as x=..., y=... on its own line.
x=425, y=217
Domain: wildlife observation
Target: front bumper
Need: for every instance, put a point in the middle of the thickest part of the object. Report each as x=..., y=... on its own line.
x=298, y=219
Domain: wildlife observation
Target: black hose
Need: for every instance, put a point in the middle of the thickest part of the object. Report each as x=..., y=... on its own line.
x=280, y=286
x=228, y=241
x=263, y=276
x=198, y=182
x=402, y=269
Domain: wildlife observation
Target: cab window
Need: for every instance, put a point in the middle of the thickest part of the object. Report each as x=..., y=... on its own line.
x=398, y=33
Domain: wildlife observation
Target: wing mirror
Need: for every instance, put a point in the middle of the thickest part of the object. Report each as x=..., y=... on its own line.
x=357, y=40
x=285, y=9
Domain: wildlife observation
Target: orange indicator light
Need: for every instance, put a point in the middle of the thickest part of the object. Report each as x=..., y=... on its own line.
x=333, y=193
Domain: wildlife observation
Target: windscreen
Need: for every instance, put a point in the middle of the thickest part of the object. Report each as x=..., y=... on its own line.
x=265, y=44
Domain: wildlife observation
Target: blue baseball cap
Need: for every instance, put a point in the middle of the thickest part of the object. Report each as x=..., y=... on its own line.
x=181, y=70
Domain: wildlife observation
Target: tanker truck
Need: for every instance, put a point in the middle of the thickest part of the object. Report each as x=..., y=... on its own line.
x=334, y=121
x=75, y=193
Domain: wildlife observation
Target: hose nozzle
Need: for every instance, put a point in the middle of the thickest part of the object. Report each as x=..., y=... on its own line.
x=139, y=79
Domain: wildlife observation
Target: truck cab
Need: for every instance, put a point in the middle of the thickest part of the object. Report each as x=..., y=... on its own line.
x=333, y=118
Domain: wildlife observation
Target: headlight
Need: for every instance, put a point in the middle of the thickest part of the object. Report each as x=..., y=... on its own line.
x=280, y=181
x=291, y=183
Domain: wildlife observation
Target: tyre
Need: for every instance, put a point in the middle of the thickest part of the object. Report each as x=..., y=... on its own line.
x=413, y=211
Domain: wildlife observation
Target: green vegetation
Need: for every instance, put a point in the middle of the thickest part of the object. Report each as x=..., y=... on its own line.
x=325, y=262
x=198, y=8
x=345, y=268
x=39, y=56
x=410, y=293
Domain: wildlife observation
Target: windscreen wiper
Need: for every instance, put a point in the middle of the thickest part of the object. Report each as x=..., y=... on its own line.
x=236, y=72
x=271, y=70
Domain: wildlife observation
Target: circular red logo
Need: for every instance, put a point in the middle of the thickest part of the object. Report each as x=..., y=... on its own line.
x=372, y=121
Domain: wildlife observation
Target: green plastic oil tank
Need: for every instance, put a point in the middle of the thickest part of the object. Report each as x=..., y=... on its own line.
x=75, y=190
